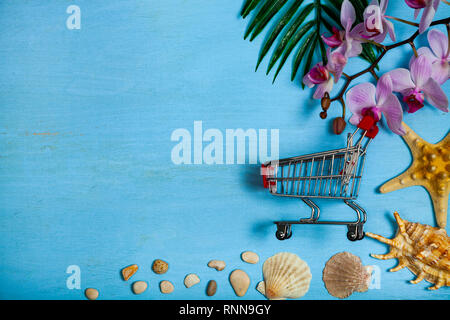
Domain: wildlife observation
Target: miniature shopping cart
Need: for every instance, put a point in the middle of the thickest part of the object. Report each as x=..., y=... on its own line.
x=334, y=174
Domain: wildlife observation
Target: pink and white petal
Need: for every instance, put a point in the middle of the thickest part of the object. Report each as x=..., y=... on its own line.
x=393, y=112
x=355, y=119
x=358, y=32
x=425, y=51
x=307, y=81
x=416, y=13
x=401, y=79
x=435, y=4
x=322, y=88
x=360, y=96
x=427, y=18
x=355, y=48
x=420, y=70
x=438, y=42
x=390, y=28
x=435, y=95
x=384, y=89
x=440, y=71
x=383, y=6
x=348, y=15
x=380, y=38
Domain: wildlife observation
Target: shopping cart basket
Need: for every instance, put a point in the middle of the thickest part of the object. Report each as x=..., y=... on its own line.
x=334, y=174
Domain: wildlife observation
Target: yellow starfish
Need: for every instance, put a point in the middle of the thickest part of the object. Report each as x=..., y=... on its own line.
x=430, y=168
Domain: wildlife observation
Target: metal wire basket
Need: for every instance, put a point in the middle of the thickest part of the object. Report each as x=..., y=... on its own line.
x=334, y=174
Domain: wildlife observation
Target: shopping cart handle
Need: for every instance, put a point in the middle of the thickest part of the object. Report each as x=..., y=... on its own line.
x=367, y=123
x=264, y=175
x=267, y=170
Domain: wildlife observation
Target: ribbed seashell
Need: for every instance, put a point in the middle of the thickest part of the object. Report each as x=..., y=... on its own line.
x=286, y=276
x=423, y=249
x=344, y=274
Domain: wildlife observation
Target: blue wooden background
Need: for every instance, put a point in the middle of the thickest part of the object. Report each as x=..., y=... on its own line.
x=86, y=176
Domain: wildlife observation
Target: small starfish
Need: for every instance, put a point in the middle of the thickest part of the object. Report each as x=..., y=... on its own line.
x=430, y=168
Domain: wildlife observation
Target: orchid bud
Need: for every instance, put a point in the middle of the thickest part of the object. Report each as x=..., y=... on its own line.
x=323, y=114
x=326, y=101
x=339, y=125
x=417, y=4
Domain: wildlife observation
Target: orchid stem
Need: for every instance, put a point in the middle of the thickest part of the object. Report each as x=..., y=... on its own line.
x=379, y=45
x=341, y=100
x=446, y=2
x=414, y=49
x=374, y=74
x=403, y=21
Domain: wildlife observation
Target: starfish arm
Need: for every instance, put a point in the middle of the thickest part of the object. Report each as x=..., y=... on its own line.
x=412, y=139
x=440, y=205
x=402, y=181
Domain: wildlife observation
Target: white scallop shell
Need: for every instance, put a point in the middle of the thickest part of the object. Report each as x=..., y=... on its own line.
x=344, y=274
x=286, y=276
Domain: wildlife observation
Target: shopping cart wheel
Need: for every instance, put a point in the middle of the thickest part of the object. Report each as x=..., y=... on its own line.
x=352, y=236
x=352, y=233
x=355, y=232
x=283, y=232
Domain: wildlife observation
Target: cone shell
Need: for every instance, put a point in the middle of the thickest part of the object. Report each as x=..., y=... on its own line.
x=344, y=274
x=286, y=276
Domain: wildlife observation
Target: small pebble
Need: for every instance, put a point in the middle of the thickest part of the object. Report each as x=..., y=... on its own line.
x=191, y=280
x=219, y=265
x=91, y=293
x=240, y=282
x=212, y=288
x=250, y=257
x=129, y=271
x=160, y=266
x=166, y=286
x=139, y=287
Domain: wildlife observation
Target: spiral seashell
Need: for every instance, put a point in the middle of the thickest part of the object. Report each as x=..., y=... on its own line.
x=344, y=274
x=286, y=276
x=423, y=249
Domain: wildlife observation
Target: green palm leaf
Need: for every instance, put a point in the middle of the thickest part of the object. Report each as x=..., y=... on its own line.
x=306, y=47
x=290, y=33
x=293, y=22
x=280, y=26
x=297, y=37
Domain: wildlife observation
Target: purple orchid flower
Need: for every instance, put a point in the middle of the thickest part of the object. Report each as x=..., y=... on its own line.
x=430, y=8
x=375, y=26
x=417, y=85
x=336, y=39
x=321, y=75
x=366, y=99
x=346, y=41
x=439, y=55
